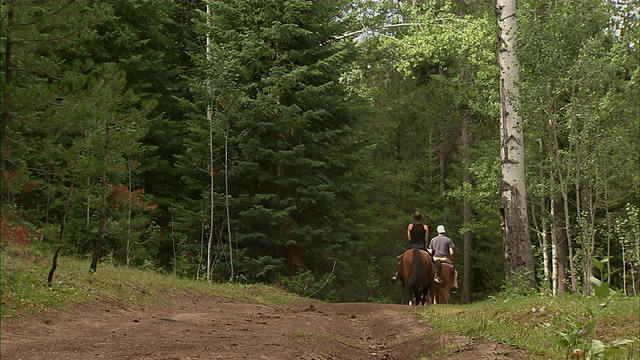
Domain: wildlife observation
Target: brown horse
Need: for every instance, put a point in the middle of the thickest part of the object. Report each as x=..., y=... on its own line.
x=441, y=292
x=416, y=272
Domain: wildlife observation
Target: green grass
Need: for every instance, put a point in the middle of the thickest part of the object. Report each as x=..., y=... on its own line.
x=531, y=323
x=25, y=292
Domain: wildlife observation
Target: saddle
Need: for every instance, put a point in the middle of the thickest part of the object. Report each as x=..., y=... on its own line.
x=443, y=260
x=425, y=250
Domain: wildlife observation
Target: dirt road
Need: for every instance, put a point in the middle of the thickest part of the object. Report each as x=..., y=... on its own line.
x=216, y=328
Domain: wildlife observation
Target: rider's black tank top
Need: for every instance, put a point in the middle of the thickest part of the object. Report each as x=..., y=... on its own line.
x=417, y=235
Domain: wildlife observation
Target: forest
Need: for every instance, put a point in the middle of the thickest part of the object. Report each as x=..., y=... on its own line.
x=289, y=142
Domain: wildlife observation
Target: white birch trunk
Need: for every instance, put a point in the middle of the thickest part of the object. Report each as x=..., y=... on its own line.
x=227, y=196
x=517, y=242
x=545, y=248
x=211, y=167
x=554, y=253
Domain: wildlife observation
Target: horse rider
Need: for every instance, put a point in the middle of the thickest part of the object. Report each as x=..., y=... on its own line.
x=418, y=236
x=442, y=247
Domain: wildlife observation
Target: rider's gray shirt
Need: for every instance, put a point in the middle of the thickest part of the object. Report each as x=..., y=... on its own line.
x=441, y=244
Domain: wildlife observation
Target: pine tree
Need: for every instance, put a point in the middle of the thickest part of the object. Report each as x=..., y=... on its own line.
x=70, y=117
x=291, y=173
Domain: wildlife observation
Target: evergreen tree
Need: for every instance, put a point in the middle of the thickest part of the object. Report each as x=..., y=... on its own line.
x=83, y=122
x=48, y=104
x=293, y=168
x=141, y=41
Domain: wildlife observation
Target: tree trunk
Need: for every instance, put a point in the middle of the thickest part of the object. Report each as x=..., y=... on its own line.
x=555, y=278
x=211, y=164
x=466, y=212
x=572, y=268
x=8, y=78
x=173, y=245
x=587, y=231
x=560, y=237
x=513, y=207
x=63, y=225
x=226, y=205
x=543, y=239
x=97, y=250
x=559, y=243
x=203, y=234
x=442, y=153
x=129, y=213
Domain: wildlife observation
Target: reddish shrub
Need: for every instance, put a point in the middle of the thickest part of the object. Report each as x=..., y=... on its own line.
x=14, y=234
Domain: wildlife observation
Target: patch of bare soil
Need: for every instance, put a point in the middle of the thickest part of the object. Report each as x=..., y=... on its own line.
x=216, y=328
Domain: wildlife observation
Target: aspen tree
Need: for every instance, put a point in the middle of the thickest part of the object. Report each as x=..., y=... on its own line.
x=513, y=207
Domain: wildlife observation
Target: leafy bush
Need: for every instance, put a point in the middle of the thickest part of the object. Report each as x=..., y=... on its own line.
x=580, y=340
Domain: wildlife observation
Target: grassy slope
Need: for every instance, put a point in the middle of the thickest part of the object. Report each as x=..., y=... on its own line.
x=25, y=292
x=529, y=323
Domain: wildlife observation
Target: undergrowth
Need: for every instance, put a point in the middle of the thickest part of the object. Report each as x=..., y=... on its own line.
x=530, y=323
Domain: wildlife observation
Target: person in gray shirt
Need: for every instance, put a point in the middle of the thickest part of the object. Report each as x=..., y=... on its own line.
x=442, y=248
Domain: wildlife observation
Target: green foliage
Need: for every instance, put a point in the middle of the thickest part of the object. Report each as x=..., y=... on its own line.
x=305, y=284
x=88, y=118
x=425, y=66
x=285, y=122
x=47, y=102
x=627, y=230
x=580, y=341
x=576, y=72
x=518, y=286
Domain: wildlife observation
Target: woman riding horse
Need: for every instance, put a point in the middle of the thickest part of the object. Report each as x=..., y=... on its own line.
x=418, y=236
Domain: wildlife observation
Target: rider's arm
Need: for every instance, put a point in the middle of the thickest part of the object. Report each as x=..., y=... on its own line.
x=409, y=227
x=426, y=235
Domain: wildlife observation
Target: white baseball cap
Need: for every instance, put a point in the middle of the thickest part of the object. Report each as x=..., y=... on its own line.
x=441, y=229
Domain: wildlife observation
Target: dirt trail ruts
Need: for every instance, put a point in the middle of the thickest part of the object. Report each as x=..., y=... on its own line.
x=217, y=328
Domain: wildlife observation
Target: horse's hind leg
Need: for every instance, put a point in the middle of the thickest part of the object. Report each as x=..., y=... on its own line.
x=416, y=296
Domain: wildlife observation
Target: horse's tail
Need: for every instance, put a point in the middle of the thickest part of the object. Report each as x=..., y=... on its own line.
x=416, y=270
